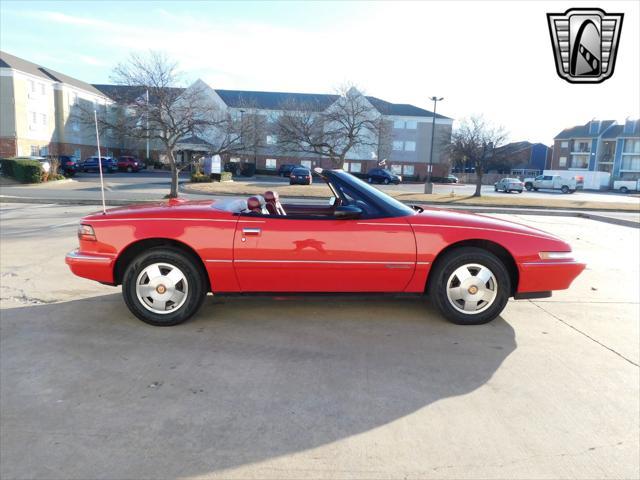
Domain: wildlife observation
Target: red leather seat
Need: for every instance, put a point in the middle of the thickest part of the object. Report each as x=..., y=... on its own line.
x=256, y=204
x=274, y=207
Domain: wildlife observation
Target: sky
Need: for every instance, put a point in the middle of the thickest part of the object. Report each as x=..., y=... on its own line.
x=485, y=58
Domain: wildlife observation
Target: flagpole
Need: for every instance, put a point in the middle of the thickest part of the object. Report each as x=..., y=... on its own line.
x=104, y=206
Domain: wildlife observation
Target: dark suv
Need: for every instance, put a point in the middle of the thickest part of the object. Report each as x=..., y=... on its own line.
x=380, y=175
x=91, y=165
x=286, y=169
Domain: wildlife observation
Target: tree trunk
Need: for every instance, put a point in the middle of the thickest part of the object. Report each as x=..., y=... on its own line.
x=173, y=193
x=479, y=174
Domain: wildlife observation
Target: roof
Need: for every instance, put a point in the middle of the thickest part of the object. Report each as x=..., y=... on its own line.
x=276, y=100
x=582, y=131
x=10, y=61
x=127, y=93
x=619, y=130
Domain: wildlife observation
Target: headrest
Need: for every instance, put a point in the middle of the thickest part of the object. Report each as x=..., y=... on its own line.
x=255, y=203
x=270, y=196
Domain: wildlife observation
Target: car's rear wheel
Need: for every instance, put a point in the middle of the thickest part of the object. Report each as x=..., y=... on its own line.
x=564, y=189
x=624, y=190
x=469, y=286
x=163, y=287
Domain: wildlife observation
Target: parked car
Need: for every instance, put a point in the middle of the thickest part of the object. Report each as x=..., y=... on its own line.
x=68, y=165
x=554, y=182
x=509, y=185
x=447, y=179
x=300, y=176
x=168, y=256
x=380, y=175
x=46, y=164
x=129, y=164
x=626, y=186
x=285, y=169
x=91, y=165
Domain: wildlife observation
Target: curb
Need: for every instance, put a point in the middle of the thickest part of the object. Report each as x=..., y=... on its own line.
x=550, y=212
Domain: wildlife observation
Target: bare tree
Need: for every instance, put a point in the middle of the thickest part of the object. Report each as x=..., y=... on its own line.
x=348, y=124
x=474, y=142
x=153, y=107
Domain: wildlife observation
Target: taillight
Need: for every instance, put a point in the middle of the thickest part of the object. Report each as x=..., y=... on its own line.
x=85, y=232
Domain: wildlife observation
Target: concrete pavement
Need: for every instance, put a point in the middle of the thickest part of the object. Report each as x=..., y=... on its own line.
x=315, y=387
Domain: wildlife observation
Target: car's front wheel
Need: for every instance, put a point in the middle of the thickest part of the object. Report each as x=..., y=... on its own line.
x=163, y=287
x=469, y=286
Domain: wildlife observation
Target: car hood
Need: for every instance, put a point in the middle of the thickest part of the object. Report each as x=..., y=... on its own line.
x=449, y=218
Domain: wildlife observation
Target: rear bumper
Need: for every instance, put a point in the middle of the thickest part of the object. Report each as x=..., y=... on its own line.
x=543, y=276
x=94, y=266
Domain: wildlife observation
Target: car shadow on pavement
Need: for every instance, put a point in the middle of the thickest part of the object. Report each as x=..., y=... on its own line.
x=89, y=391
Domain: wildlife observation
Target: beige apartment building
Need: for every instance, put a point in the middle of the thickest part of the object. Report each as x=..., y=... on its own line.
x=39, y=111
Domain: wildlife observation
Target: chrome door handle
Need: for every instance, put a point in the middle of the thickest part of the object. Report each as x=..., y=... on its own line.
x=251, y=231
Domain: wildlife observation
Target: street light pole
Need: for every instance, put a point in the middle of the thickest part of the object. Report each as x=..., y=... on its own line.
x=428, y=186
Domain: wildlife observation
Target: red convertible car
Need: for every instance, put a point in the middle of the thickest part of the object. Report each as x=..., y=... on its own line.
x=168, y=256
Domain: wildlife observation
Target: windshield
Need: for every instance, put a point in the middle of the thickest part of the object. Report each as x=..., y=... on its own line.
x=377, y=195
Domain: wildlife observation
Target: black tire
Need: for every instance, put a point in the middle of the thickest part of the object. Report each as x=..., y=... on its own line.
x=624, y=190
x=495, y=188
x=386, y=181
x=564, y=189
x=444, y=268
x=129, y=170
x=535, y=189
x=195, y=277
x=528, y=186
x=370, y=180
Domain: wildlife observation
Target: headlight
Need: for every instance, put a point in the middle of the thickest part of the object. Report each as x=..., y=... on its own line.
x=85, y=232
x=556, y=255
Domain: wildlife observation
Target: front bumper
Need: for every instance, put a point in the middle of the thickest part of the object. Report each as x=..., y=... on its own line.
x=94, y=266
x=542, y=276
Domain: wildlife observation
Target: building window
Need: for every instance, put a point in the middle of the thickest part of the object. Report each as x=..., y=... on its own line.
x=631, y=145
x=580, y=161
x=630, y=163
x=410, y=146
x=42, y=88
x=399, y=124
x=631, y=155
x=345, y=166
x=44, y=151
x=564, y=144
x=562, y=162
x=32, y=86
x=355, y=167
x=43, y=118
x=398, y=145
x=272, y=139
x=408, y=170
x=270, y=163
x=411, y=124
x=397, y=169
x=582, y=146
x=35, y=150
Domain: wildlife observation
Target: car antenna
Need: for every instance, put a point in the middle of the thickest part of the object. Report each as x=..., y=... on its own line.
x=104, y=207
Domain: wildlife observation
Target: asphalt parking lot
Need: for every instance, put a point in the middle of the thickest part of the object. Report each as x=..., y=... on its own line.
x=341, y=388
x=146, y=185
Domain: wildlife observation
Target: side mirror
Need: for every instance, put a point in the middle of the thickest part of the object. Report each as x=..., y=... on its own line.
x=346, y=212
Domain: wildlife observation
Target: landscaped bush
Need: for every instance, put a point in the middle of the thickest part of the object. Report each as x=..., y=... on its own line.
x=27, y=171
x=200, y=178
x=6, y=164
